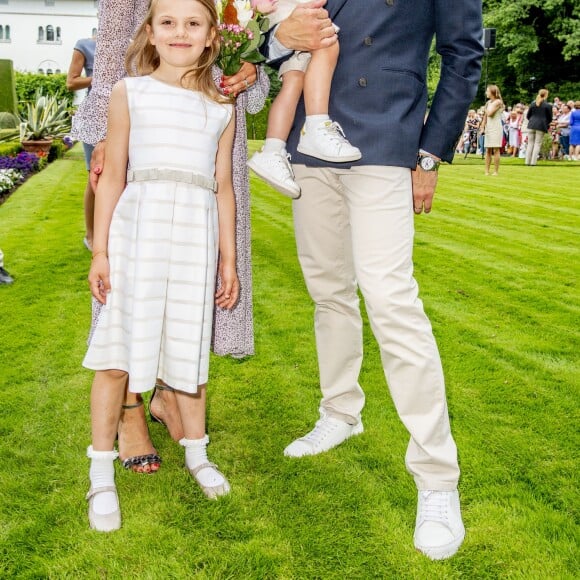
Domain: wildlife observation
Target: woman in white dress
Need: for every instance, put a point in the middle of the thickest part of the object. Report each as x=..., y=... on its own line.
x=170, y=136
x=492, y=128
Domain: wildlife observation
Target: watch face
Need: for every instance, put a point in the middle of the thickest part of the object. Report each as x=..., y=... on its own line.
x=427, y=163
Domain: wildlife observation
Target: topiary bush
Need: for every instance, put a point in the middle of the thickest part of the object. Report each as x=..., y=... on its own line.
x=8, y=120
x=7, y=84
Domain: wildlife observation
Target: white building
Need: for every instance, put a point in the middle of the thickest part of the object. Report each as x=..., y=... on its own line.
x=39, y=35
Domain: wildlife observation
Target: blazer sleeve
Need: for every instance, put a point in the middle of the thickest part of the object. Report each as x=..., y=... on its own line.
x=458, y=36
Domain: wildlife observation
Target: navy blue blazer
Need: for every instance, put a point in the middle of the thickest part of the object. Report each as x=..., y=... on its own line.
x=379, y=91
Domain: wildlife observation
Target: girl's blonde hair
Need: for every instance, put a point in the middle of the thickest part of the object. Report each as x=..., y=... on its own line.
x=542, y=96
x=494, y=92
x=142, y=57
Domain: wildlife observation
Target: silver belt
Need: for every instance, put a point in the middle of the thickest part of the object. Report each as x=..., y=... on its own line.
x=154, y=174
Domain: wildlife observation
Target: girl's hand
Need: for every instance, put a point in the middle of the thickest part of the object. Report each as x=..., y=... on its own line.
x=241, y=81
x=228, y=293
x=99, y=281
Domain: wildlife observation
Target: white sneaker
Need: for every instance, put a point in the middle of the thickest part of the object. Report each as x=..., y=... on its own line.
x=327, y=433
x=439, y=529
x=275, y=169
x=327, y=142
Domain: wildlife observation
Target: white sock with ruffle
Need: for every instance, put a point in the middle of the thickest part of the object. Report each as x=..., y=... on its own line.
x=102, y=474
x=196, y=455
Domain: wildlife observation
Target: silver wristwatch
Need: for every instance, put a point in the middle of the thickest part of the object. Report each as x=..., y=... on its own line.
x=427, y=163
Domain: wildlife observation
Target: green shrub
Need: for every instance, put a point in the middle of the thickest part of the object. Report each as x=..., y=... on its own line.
x=8, y=120
x=11, y=148
x=57, y=150
x=29, y=84
x=7, y=84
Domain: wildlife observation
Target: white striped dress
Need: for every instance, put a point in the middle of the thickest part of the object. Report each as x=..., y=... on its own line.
x=163, y=243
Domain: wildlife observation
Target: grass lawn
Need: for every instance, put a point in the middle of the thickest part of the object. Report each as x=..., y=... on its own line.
x=498, y=265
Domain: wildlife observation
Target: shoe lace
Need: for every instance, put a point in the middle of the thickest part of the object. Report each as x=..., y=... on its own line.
x=322, y=428
x=334, y=132
x=283, y=161
x=434, y=506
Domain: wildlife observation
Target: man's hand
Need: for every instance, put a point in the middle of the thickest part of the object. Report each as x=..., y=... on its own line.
x=308, y=28
x=424, y=183
x=97, y=164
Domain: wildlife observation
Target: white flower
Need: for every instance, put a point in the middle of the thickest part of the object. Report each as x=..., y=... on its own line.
x=245, y=12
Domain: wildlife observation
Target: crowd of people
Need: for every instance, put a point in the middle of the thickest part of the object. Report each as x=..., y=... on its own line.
x=517, y=138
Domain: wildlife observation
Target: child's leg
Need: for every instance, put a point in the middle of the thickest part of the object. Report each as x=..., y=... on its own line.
x=283, y=109
x=192, y=411
x=107, y=394
x=318, y=79
x=321, y=138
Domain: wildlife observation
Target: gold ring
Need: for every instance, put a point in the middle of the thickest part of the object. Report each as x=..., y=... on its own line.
x=246, y=83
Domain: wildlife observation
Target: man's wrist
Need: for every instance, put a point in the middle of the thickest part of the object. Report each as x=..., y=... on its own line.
x=427, y=154
x=427, y=162
x=276, y=48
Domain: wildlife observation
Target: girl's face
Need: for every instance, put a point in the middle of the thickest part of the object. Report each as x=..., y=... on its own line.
x=180, y=31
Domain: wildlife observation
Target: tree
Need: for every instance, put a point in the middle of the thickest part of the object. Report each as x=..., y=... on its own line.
x=538, y=44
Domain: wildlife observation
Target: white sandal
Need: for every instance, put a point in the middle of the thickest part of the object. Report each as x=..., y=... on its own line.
x=198, y=448
x=212, y=492
x=103, y=522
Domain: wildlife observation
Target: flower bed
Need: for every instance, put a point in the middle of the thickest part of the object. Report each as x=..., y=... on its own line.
x=15, y=169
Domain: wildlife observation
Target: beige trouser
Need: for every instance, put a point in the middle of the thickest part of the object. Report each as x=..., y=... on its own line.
x=354, y=228
x=535, y=139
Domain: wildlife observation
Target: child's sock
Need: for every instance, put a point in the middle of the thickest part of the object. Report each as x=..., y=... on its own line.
x=272, y=145
x=195, y=455
x=102, y=474
x=313, y=121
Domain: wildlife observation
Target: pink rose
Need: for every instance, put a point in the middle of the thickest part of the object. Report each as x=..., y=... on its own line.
x=264, y=6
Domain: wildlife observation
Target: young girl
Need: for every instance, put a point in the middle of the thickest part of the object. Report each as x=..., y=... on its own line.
x=155, y=247
x=491, y=126
x=320, y=137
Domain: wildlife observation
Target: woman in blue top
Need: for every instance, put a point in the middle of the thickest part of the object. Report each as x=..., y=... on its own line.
x=575, y=132
x=82, y=61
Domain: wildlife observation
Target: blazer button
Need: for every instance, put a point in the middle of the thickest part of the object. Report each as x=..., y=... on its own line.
x=368, y=40
x=362, y=82
x=389, y=2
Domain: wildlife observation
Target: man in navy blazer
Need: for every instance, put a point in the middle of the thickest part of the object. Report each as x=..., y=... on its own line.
x=354, y=223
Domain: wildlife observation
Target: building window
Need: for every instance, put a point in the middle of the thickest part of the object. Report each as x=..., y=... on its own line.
x=94, y=32
x=4, y=33
x=48, y=34
x=49, y=2
x=3, y=1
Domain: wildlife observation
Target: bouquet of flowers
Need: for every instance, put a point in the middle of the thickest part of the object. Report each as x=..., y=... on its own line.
x=242, y=24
